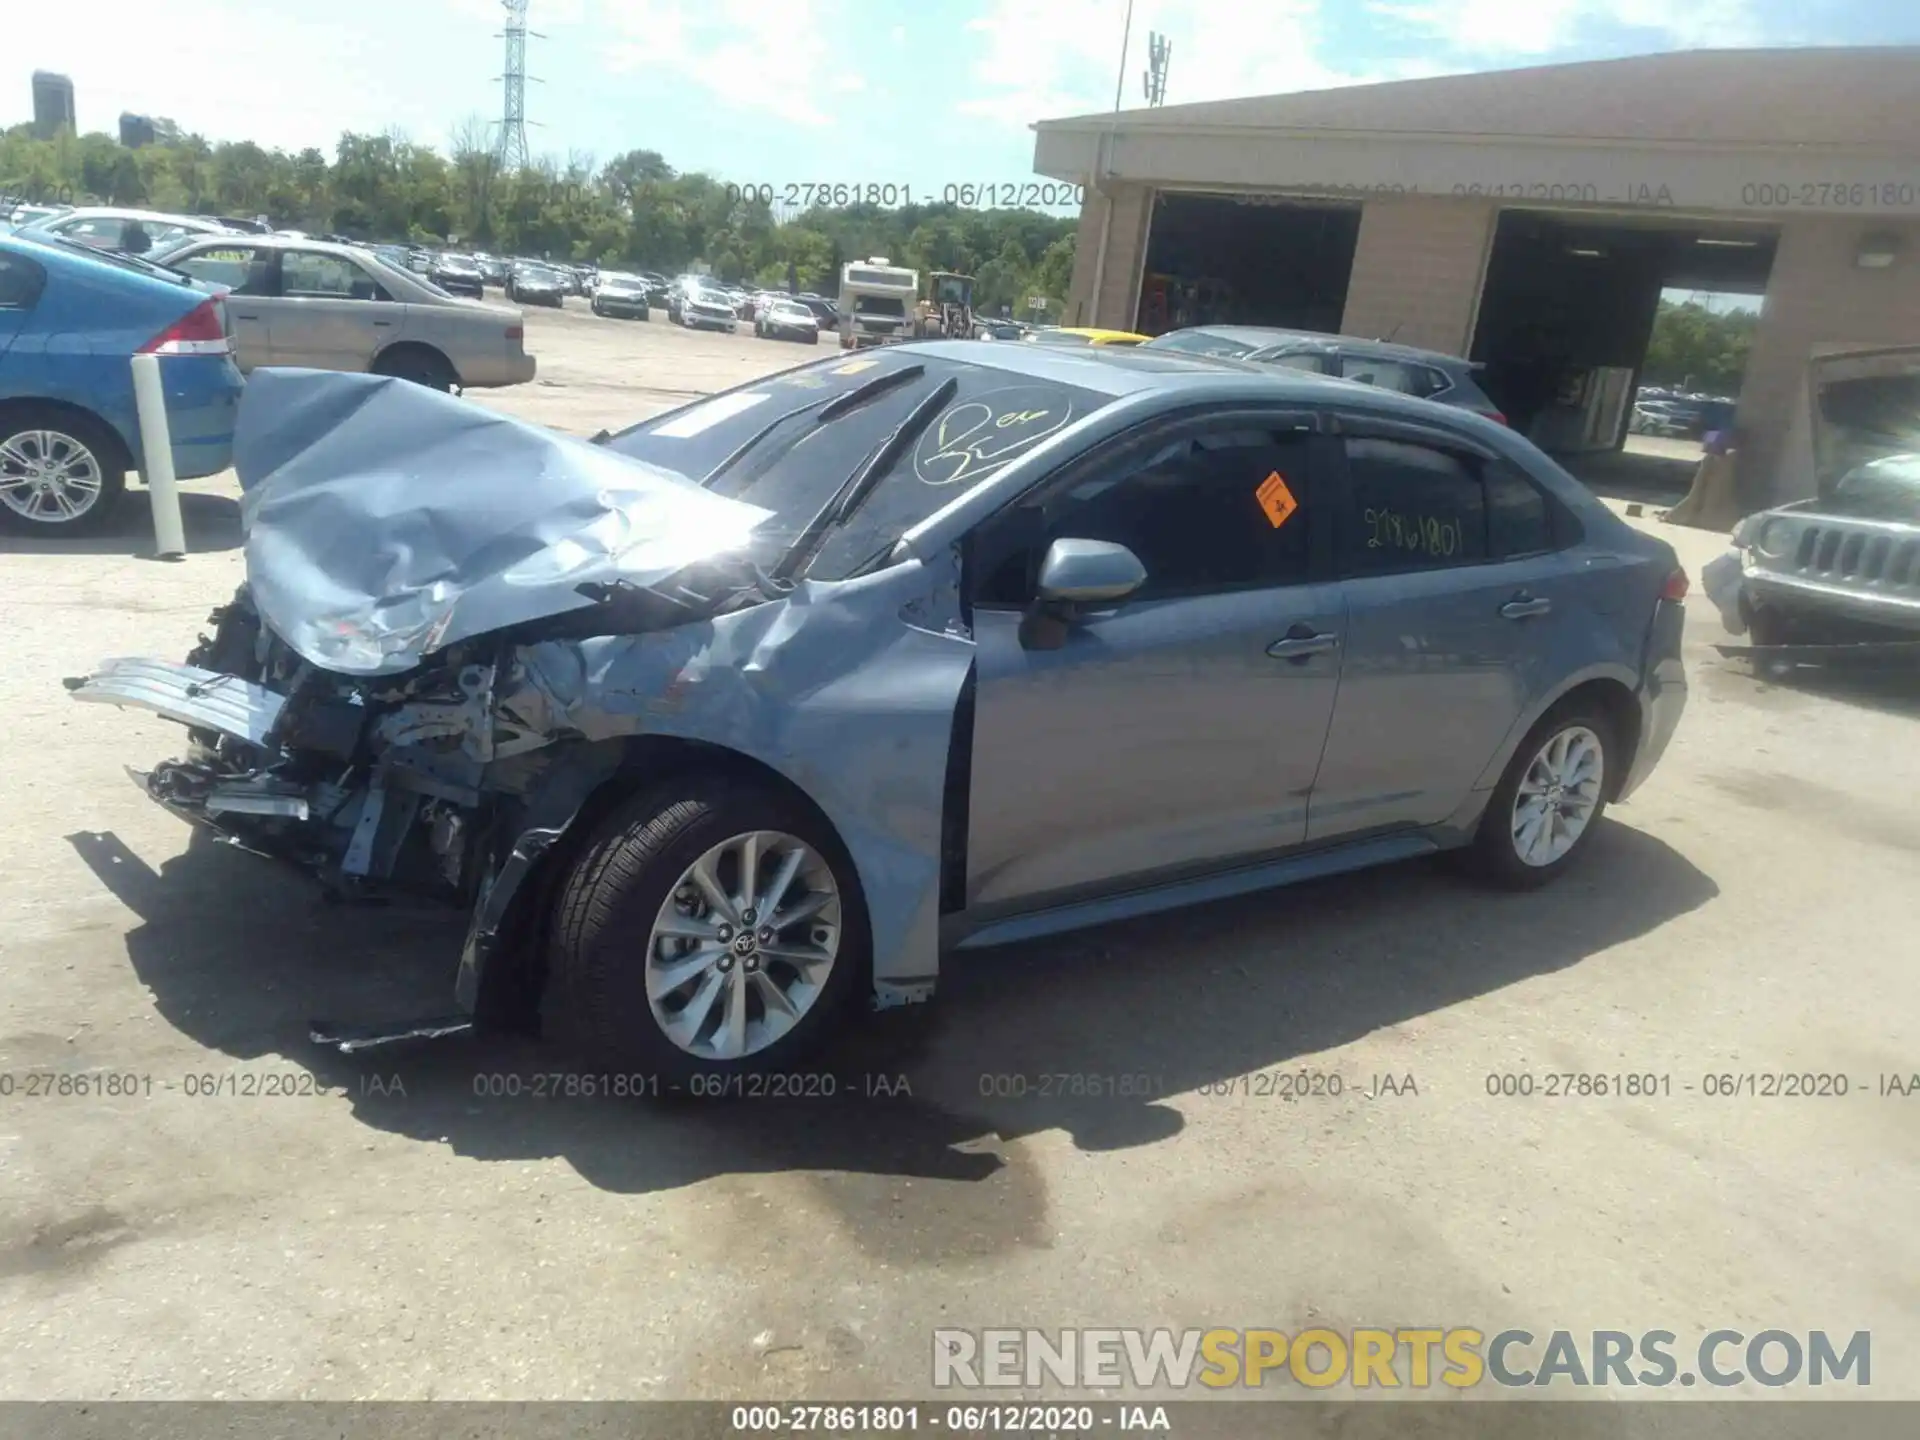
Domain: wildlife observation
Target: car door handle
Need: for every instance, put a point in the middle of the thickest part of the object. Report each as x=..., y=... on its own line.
x=1299, y=647
x=1523, y=606
x=383, y=324
x=250, y=319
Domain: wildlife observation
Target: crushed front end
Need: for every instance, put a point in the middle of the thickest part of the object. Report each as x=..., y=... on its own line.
x=365, y=781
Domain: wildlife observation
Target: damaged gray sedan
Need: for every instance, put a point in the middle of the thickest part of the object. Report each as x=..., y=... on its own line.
x=732, y=723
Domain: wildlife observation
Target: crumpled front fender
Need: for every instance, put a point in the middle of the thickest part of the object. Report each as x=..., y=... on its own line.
x=849, y=691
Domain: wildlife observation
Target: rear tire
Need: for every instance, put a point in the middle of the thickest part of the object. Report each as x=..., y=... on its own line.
x=1545, y=808
x=614, y=969
x=52, y=460
x=426, y=368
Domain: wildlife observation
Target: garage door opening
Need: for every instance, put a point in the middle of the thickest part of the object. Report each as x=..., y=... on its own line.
x=1567, y=314
x=1246, y=260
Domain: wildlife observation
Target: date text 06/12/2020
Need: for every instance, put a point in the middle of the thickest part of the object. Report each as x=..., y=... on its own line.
x=893, y=194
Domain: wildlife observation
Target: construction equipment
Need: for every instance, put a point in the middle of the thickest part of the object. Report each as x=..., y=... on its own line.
x=947, y=312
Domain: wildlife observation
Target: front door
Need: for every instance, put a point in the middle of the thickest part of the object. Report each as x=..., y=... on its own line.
x=1181, y=729
x=1451, y=580
x=330, y=313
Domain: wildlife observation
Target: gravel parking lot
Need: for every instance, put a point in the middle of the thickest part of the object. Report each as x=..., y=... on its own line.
x=392, y=1230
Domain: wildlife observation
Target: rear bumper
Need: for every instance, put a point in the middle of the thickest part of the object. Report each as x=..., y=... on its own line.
x=1662, y=696
x=508, y=370
x=203, y=406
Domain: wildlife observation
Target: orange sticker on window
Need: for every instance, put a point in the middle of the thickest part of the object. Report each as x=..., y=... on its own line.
x=1276, y=500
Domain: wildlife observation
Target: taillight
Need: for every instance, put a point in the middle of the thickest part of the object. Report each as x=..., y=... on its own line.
x=516, y=332
x=198, y=332
x=1676, y=586
x=1496, y=417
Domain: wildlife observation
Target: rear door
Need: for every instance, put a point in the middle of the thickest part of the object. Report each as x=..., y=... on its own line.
x=21, y=281
x=250, y=273
x=1180, y=730
x=1459, y=596
x=329, y=313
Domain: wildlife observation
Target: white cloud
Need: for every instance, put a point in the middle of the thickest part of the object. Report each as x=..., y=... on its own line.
x=750, y=55
x=1062, y=58
x=1509, y=28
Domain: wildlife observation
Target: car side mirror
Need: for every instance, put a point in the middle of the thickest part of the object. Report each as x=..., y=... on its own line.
x=1077, y=576
x=1080, y=573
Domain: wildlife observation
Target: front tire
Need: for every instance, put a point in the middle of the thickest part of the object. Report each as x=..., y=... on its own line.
x=61, y=474
x=664, y=954
x=1544, y=810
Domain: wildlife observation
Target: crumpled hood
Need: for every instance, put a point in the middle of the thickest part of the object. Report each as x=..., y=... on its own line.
x=386, y=521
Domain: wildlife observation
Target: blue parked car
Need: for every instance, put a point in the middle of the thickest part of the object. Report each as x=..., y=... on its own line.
x=71, y=319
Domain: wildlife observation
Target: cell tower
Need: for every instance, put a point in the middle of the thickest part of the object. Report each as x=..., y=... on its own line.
x=1159, y=51
x=511, y=154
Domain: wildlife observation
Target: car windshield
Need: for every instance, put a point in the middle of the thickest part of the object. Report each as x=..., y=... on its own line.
x=1199, y=342
x=1886, y=489
x=793, y=461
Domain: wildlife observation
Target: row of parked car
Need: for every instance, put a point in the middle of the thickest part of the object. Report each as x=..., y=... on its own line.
x=1679, y=414
x=219, y=302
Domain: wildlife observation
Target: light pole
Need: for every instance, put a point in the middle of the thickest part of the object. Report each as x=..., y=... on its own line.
x=1103, y=154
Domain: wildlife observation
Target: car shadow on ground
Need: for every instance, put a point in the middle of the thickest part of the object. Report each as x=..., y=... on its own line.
x=209, y=522
x=1891, y=687
x=1631, y=476
x=240, y=953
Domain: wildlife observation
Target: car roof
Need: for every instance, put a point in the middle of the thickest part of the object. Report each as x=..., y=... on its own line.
x=1265, y=335
x=123, y=212
x=1126, y=371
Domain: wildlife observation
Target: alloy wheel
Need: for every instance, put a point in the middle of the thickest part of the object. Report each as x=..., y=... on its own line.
x=743, y=945
x=1557, y=796
x=48, y=476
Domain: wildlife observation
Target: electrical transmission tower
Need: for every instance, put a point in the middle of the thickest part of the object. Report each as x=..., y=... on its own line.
x=1159, y=51
x=511, y=154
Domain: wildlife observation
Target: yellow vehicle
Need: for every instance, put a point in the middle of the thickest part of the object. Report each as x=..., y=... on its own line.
x=1087, y=337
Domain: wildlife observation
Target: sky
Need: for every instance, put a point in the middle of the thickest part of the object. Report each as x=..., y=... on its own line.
x=910, y=93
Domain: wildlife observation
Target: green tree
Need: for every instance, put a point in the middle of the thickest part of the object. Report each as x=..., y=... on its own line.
x=635, y=210
x=1696, y=346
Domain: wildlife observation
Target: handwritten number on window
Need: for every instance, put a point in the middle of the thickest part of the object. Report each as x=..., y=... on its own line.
x=1428, y=536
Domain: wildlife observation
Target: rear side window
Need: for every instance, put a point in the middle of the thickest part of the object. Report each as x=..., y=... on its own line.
x=1416, y=506
x=1400, y=376
x=1518, y=520
x=241, y=268
x=1410, y=507
x=1298, y=360
x=21, y=281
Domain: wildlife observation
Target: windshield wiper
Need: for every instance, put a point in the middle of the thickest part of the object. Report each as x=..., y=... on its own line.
x=844, y=501
x=832, y=410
